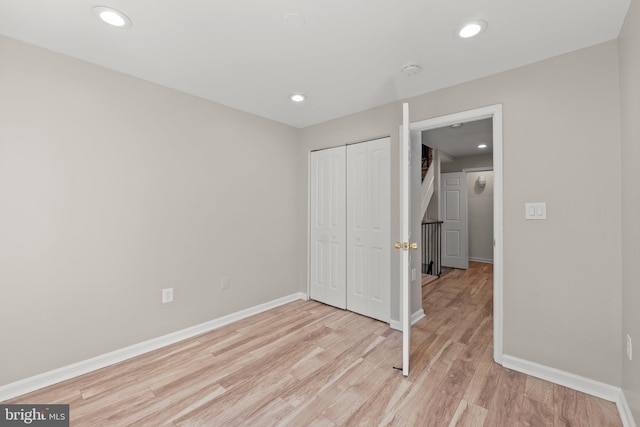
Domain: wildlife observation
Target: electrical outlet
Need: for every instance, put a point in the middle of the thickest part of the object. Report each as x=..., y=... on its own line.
x=225, y=282
x=167, y=295
x=629, y=347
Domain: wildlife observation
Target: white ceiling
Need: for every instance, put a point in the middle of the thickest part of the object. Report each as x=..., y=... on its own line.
x=461, y=141
x=346, y=58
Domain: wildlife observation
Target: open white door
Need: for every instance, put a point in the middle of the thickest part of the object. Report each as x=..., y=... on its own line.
x=405, y=244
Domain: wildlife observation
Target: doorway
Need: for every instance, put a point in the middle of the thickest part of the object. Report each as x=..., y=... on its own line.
x=494, y=113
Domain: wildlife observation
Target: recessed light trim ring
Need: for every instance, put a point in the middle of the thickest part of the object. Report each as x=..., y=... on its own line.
x=298, y=97
x=112, y=17
x=472, y=29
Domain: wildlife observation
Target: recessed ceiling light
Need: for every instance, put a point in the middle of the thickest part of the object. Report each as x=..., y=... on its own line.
x=456, y=125
x=297, y=97
x=472, y=29
x=112, y=17
x=482, y=146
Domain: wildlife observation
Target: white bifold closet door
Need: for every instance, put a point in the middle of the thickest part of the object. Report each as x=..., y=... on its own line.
x=328, y=226
x=350, y=227
x=368, y=229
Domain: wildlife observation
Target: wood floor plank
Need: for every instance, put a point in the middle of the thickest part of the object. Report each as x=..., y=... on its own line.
x=602, y=413
x=535, y=414
x=443, y=405
x=309, y=364
x=320, y=421
x=482, y=390
x=570, y=408
x=507, y=404
x=468, y=415
x=539, y=390
x=156, y=412
x=537, y=406
x=376, y=408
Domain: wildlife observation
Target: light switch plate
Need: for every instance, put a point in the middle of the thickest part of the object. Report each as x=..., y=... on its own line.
x=167, y=295
x=535, y=210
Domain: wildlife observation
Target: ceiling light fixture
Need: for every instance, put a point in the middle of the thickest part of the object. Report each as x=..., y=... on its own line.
x=297, y=97
x=481, y=146
x=472, y=29
x=112, y=17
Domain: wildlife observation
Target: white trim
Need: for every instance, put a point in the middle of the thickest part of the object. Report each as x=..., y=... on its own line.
x=625, y=411
x=415, y=318
x=575, y=382
x=45, y=379
x=309, y=224
x=484, y=260
x=563, y=378
x=494, y=112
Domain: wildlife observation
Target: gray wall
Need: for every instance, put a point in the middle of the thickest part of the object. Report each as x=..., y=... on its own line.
x=561, y=276
x=112, y=189
x=629, y=45
x=480, y=216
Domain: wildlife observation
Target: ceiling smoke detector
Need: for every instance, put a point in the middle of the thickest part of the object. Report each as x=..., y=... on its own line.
x=411, y=70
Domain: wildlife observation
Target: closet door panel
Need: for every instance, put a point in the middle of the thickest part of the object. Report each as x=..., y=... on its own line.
x=327, y=226
x=368, y=229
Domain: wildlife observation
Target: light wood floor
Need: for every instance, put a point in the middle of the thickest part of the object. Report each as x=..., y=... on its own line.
x=306, y=364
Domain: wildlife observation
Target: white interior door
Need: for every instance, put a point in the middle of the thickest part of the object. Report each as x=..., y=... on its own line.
x=328, y=226
x=405, y=234
x=368, y=229
x=454, y=217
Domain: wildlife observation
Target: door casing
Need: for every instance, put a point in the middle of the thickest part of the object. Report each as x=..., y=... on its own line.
x=495, y=113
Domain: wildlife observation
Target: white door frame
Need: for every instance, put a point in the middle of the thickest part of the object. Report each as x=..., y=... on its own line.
x=495, y=113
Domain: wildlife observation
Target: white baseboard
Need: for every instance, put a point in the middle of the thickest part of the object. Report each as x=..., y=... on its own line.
x=484, y=260
x=576, y=382
x=415, y=318
x=625, y=411
x=45, y=379
x=563, y=378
